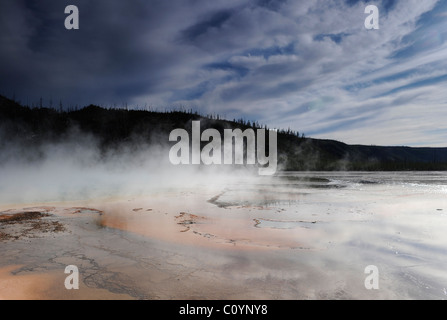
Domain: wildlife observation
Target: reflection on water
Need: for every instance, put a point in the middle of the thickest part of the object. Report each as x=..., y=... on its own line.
x=394, y=220
x=256, y=197
x=281, y=224
x=431, y=178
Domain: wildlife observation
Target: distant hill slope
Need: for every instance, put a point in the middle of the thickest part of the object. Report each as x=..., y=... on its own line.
x=115, y=127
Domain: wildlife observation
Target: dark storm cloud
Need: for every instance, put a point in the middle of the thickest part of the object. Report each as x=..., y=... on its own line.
x=112, y=57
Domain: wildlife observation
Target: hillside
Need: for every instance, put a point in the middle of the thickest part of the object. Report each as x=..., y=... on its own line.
x=27, y=128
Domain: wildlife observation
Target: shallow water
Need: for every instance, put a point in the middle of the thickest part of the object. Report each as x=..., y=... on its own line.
x=292, y=236
x=393, y=220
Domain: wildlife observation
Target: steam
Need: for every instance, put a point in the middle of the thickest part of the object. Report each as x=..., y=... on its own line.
x=75, y=167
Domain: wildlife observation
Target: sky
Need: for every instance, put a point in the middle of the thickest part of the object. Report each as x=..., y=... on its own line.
x=311, y=66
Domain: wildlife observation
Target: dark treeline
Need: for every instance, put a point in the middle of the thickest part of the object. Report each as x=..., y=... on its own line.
x=117, y=126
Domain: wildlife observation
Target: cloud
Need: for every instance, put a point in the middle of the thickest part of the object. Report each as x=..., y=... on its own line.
x=307, y=65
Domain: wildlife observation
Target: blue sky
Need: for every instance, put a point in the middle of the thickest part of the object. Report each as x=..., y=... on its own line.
x=308, y=65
